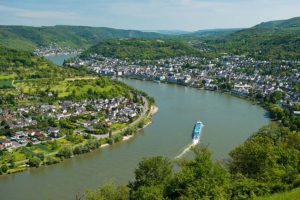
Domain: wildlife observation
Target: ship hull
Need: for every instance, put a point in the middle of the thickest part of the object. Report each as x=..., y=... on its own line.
x=197, y=132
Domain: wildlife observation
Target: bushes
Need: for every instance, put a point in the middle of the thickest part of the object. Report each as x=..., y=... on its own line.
x=4, y=168
x=41, y=156
x=108, y=191
x=152, y=171
x=34, y=162
x=93, y=144
x=81, y=149
x=270, y=159
x=65, y=152
x=130, y=131
x=51, y=160
x=141, y=124
x=199, y=178
x=117, y=138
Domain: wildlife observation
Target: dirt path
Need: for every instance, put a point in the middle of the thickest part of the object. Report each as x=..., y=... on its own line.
x=13, y=84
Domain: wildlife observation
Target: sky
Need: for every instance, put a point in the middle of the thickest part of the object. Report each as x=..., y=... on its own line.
x=188, y=15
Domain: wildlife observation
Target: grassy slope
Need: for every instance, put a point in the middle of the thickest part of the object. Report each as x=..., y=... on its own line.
x=291, y=195
x=28, y=38
x=18, y=65
x=146, y=49
x=21, y=71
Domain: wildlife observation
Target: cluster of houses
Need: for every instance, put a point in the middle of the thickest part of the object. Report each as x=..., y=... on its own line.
x=54, y=49
x=23, y=128
x=247, y=75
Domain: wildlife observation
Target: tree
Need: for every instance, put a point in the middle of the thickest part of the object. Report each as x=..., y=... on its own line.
x=150, y=177
x=51, y=160
x=4, y=168
x=34, y=162
x=276, y=111
x=270, y=158
x=41, y=156
x=277, y=95
x=65, y=152
x=108, y=191
x=141, y=124
x=11, y=163
x=199, y=178
x=29, y=144
x=147, y=192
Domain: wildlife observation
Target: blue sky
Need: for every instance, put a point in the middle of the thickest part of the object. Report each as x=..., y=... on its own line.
x=147, y=14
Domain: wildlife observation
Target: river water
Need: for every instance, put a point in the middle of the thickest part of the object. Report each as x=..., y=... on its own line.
x=59, y=59
x=228, y=122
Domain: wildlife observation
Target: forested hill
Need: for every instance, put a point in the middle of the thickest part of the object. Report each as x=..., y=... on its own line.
x=28, y=37
x=23, y=73
x=142, y=49
x=21, y=65
x=290, y=23
x=269, y=40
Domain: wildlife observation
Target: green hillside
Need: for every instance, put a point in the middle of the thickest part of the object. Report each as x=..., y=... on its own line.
x=291, y=195
x=32, y=77
x=20, y=65
x=144, y=49
x=293, y=22
x=28, y=38
x=270, y=40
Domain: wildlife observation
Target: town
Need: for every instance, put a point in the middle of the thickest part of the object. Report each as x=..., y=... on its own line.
x=25, y=124
x=54, y=49
x=240, y=75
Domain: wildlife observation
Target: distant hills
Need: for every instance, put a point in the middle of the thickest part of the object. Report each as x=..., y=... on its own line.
x=213, y=32
x=170, y=32
x=199, y=33
x=268, y=40
x=271, y=40
x=28, y=38
x=289, y=23
x=141, y=48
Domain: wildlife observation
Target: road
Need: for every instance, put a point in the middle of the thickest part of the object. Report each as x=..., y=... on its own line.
x=142, y=115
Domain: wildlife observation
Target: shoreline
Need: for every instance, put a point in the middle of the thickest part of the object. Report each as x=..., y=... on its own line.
x=148, y=116
x=153, y=110
x=247, y=98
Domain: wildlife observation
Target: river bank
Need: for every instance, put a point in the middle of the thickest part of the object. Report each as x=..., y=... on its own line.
x=167, y=135
x=227, y=92
x=229, y=122
x=153, y=110
x=98, y=141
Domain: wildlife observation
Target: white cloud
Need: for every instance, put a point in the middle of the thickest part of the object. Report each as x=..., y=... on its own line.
x=43, y=14
x=148, y=14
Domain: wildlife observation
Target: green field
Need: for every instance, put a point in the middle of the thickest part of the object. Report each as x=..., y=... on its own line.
x=77, y=88
x=6, y=76
x=291, y=195
x=5, y=84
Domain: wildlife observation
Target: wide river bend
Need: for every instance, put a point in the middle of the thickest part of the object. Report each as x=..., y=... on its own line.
x=228, y=122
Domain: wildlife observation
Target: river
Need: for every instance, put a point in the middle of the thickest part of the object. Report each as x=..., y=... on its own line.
x=59, y=59
x=228, y=122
